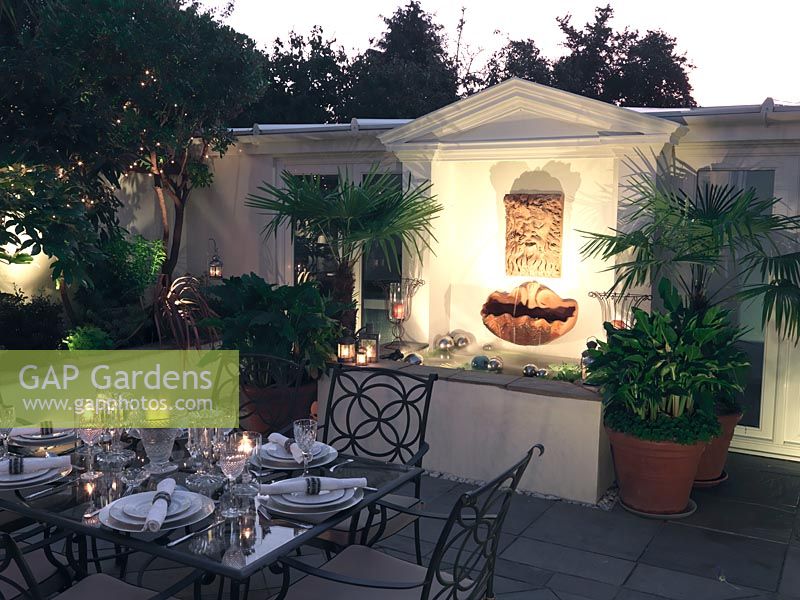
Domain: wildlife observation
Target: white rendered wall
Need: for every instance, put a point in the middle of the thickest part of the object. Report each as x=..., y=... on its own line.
x=469, y=261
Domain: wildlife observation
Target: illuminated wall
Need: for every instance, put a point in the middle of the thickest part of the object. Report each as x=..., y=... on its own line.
x=469, y=261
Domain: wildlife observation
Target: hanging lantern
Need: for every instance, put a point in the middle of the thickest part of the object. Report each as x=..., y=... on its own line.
x=215, y=264
x=346, y=349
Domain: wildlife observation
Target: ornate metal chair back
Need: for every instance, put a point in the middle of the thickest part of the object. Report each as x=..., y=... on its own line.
x=28, y=588
x=377, y=413
x=470, y=539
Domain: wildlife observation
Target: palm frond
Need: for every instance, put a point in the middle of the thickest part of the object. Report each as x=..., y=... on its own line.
x=353, y=216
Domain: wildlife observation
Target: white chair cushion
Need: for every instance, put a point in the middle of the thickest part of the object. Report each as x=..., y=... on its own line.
x=361, y=562
x=105, y=584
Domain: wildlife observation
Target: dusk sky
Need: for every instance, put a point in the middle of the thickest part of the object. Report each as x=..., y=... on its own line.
x=743, y=52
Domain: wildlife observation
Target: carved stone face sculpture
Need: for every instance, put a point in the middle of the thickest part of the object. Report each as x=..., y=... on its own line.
x=530, y=315
x=534, y=228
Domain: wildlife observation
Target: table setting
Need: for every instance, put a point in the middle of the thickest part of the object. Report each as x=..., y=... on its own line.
x=21, y=472
x=309, y=498
x=162, y=509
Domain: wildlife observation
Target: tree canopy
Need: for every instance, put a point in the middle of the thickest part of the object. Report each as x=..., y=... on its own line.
x=410, y=69
x=99, y=89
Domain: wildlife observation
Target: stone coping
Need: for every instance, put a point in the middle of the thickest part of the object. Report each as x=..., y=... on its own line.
x=529, y=385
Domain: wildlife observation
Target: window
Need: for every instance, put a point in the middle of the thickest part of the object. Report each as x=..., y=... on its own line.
x=313, y=260
x=374, y=270
x=747, y=314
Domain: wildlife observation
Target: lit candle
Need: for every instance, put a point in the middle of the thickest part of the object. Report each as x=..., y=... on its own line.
x=245, y=445
x=370, y=352
x=398, y=311
x=89, y=489
x=361, y=357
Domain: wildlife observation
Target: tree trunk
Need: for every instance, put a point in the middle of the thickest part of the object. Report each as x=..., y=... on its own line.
x=177, y=230
x=344, y=285
x=67, y=303
x=162, y=203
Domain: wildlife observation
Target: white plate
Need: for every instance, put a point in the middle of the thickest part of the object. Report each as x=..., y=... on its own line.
x=330, y=499
x=272, y=449
x=48, y=476
x=313, y=516
x=109, y=521
x=138, y=505
x=118, y=513
x=276, y=464
x=56, y=435
x=8, y=478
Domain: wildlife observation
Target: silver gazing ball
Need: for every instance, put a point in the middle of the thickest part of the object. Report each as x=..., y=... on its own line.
x=488, y=347
x=462, y=341
x=496, y=364
x=529, y=370
x=542, y=373
x=445, y=343
x=414, y=359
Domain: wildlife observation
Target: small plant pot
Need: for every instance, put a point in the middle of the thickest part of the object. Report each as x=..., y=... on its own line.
x=654, y=477
x=712, y=463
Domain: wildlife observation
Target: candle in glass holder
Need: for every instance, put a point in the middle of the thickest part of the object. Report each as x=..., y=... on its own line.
x=361, y=357
x=398, y=311
x=370, y=351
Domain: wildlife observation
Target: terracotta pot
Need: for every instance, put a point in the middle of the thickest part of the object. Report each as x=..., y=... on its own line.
x=654, y=477
x=276, y=407
x=712, y=463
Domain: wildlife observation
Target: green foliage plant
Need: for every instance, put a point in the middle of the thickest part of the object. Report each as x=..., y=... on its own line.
x=565, y=372
x=660, y=378
x=694, y=237
x=377, y=212
x=291, y=322
x=88, y=337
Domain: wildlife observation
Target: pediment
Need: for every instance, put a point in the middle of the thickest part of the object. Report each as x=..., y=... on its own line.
x=521, y=110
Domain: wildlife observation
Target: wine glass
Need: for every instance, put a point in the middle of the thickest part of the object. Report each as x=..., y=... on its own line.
x=90, y=432
x=7, y=417
x=200, y=445
x=158, y=445
x=305, y=434
x=233, y=456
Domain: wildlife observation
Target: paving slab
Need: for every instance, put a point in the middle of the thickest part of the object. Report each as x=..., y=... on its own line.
x=683, y=586
x=790, y=583
x=744, y=518
x=740, y=560
x=564, y=585
x=617, y=534
x=561, y=559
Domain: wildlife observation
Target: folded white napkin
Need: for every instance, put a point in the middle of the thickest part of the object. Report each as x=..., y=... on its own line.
x=30, y=464
x=158, y=511
x=277, y=438
x=301, y=484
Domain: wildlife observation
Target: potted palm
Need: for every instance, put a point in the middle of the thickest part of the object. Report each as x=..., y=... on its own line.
x=704, y=239
x=349, y=219
x=658, y=380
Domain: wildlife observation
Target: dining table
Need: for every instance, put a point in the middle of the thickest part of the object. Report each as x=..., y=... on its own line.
x=233, y=548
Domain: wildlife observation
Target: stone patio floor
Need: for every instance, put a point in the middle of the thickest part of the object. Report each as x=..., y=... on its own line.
x=743, y=542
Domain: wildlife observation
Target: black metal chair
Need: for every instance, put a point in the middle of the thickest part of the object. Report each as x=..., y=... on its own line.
x=268, y=392
x=21, y=577
x=380, y=414
x=468, y=543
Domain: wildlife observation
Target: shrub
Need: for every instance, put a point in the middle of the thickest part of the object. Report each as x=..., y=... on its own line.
x=29, y=324
x=88, y=337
